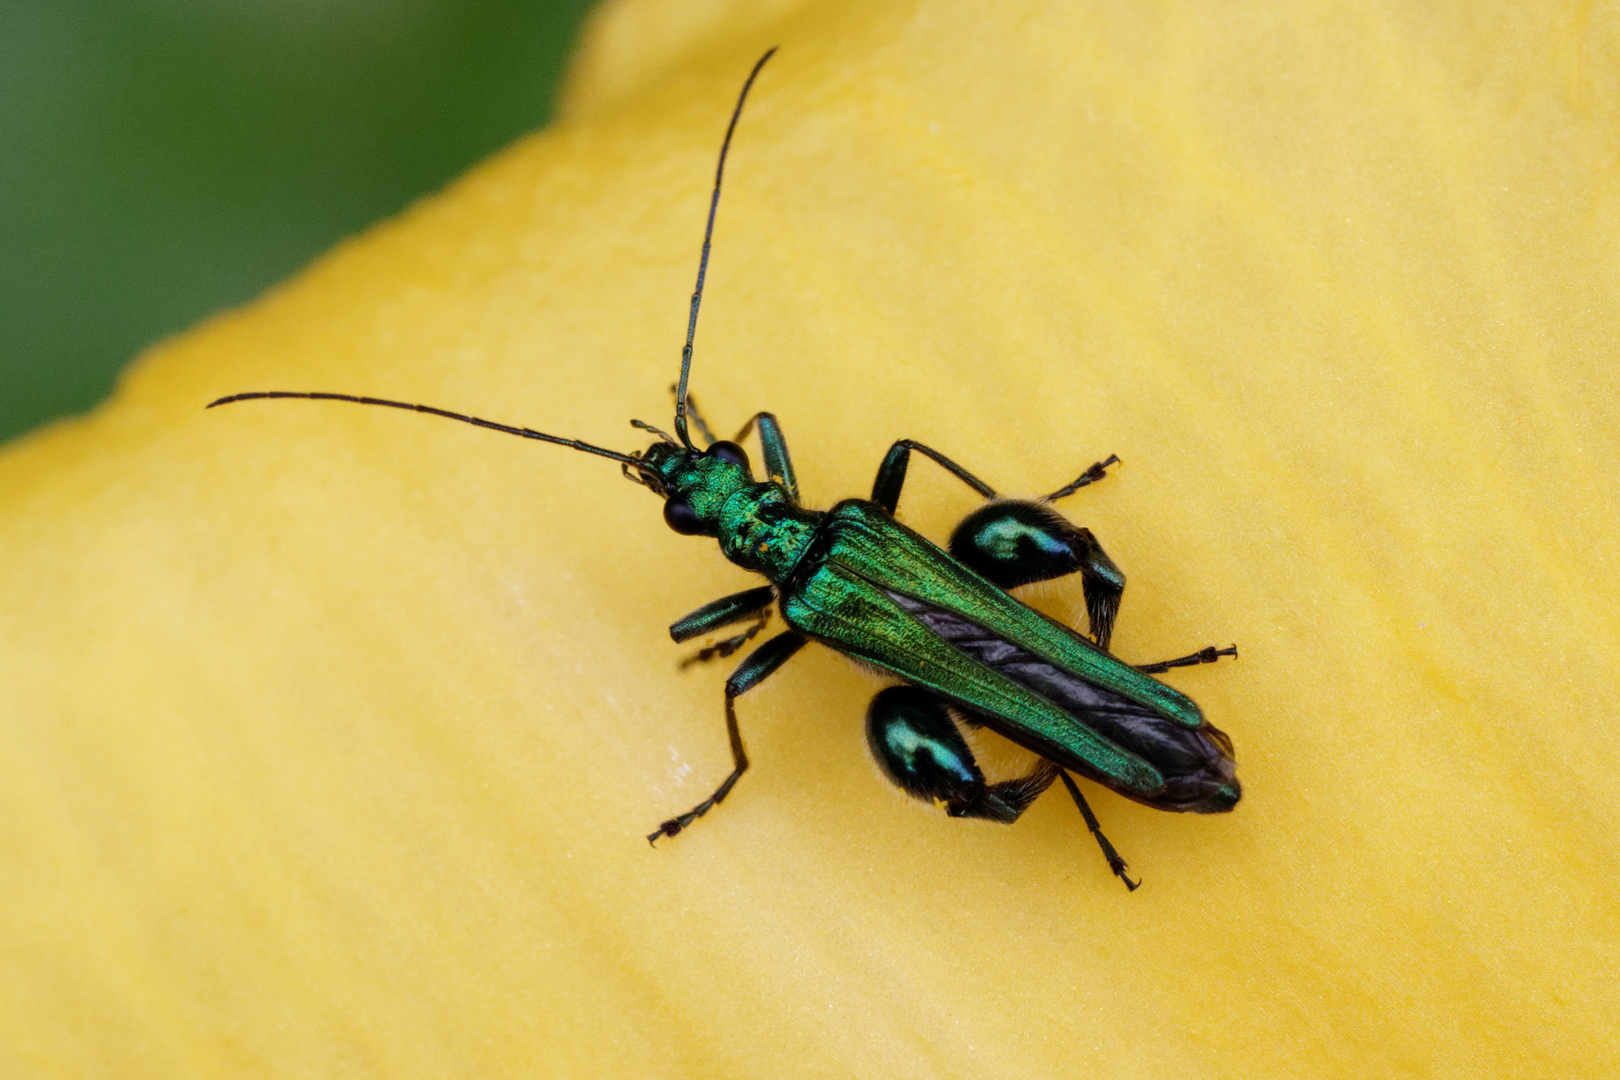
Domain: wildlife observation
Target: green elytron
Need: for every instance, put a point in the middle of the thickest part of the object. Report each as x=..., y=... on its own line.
x=965, y=651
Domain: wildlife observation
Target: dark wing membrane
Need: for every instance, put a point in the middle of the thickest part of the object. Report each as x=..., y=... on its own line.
x=1196, y=763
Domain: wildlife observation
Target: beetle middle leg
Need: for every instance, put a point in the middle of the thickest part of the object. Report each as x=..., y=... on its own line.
x=754, y=669
x=1207, y=655
x=1017, y=542
x=891, y=475
x=1094, y=472
x=750, y=603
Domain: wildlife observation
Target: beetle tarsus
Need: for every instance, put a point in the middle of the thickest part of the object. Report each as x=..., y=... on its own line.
x=1094, y=472
x=722, y=649
x=1207, y=655
x=1115, y=863
x=674, y=826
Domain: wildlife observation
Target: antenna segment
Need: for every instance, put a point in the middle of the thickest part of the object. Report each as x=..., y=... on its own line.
x=521, y=432
x=703, y=262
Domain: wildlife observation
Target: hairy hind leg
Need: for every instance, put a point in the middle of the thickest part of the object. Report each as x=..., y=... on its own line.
x=1015, y=542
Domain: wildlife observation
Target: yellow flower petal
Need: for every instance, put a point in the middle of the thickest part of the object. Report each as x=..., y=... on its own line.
x=331, y=734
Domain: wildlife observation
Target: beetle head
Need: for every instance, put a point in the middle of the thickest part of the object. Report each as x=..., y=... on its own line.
x=695, y=483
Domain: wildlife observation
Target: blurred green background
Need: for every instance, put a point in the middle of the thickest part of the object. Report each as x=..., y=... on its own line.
x=163, y=159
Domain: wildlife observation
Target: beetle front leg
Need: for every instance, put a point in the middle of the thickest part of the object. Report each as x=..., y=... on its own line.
x=778, y=465
x=697, y=417
x=758, y=665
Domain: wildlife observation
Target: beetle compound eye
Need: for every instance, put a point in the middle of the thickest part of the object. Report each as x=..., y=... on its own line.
x=730, y=451
x=680, y=516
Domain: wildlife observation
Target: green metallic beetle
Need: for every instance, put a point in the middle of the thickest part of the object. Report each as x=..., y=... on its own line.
x=966, y=651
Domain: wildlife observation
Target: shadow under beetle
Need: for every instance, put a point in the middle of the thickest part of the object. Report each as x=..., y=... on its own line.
x=969, y=653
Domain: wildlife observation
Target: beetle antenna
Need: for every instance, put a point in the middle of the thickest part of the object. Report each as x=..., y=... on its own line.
x=703, y=262
x=527, y=433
